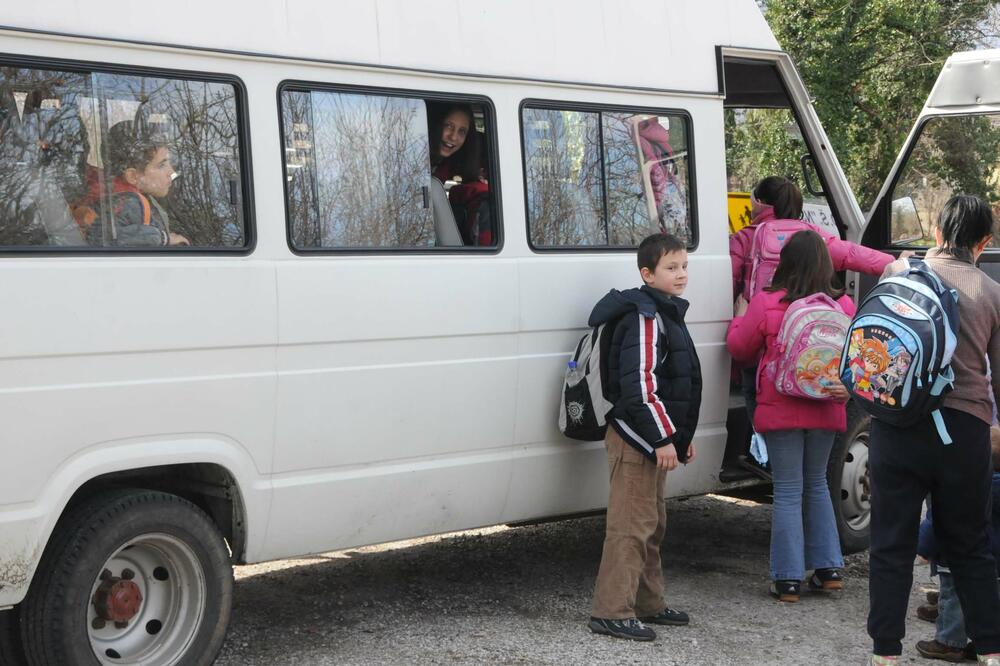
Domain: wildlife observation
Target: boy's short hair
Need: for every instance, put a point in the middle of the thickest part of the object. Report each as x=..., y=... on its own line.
x=995, y=446
x=129, y=147
x=653, y=247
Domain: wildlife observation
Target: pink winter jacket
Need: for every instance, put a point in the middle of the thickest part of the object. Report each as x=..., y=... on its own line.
x=757, y=331
x=846, y=256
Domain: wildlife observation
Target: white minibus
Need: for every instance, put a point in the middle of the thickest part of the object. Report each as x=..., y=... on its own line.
x=243, y=319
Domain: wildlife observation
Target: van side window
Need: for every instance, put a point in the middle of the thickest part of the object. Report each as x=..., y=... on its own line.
x=603, y=178
x=93, y=160
x=368, y=171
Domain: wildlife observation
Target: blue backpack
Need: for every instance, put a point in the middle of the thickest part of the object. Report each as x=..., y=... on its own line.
x=896, y=361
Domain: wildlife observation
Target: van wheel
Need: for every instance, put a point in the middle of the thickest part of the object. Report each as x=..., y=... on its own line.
x=130, y=577
x=11, y=652
x=850, y=482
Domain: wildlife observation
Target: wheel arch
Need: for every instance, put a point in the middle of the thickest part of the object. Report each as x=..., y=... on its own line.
x=214, y=473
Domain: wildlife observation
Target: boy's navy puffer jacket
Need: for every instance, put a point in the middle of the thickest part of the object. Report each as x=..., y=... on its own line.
x=654, y=377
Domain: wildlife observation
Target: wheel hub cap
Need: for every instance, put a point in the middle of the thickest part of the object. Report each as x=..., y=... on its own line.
x=117, y=600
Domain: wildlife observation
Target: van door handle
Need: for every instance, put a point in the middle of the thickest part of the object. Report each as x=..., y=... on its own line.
x=425, y=193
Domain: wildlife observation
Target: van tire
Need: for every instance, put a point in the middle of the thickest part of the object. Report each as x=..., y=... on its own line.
x=155, y=543
x=11, y=652
x=848, y=479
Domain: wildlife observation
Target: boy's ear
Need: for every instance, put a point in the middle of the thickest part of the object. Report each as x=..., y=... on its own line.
x=131, y=176
x=646, y=274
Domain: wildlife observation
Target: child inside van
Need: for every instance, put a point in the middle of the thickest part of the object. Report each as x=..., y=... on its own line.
x=142, y=175
x=950, y=642
x=654, y=381
x=799, y=431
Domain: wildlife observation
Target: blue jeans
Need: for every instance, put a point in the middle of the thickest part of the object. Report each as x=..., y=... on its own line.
x=950, y=621
x=803, y=528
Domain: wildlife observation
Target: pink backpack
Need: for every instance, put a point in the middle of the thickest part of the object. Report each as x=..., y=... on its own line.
x=765, y=249
x=810, y=341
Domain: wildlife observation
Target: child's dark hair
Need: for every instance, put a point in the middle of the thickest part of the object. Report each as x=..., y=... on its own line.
x=130, y=148
x=465, y=161
x=782, y=194
x=964, y=221
x=805, y=268
x=653, y=247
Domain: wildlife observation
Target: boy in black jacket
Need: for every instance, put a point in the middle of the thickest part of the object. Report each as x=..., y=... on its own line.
x=654, y=379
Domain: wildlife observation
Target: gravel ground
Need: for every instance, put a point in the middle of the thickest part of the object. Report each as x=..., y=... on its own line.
x=521, y=596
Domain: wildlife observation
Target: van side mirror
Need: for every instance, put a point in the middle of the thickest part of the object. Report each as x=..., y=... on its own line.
x=808, y=169
x=905, y=222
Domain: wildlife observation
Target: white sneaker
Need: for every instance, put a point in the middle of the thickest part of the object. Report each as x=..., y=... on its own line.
x=990, y=659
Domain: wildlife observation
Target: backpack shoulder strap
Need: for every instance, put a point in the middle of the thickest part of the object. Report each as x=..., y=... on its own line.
x=146, y=213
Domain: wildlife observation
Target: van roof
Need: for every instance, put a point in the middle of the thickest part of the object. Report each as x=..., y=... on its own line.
x=658, y=44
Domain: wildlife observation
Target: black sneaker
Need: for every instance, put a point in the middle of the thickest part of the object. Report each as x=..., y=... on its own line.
x=629, y=628
x=669, y=617
x=785, y=590
x=826, y=579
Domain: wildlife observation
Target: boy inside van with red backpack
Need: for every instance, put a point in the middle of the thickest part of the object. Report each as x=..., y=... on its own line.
x=654, y=383
x=142, y=174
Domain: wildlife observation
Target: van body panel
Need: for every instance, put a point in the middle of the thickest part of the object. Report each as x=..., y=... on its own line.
x=360, y=397
x=25, y=527
x=540, y=41
x=970, y=79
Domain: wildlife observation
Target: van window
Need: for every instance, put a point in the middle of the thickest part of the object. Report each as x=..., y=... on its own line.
x=953, y=155
x=369, y=171
x=605, y=178
x=95, y=160
x=762, y=142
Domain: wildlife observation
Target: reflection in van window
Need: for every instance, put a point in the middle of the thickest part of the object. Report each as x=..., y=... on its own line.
x=368, y=171
x=605, y=178
x=94, y=159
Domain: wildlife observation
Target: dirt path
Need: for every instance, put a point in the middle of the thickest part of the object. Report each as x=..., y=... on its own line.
x=521, y=596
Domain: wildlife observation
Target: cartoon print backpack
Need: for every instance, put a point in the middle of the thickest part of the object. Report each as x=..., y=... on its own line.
x=897, y=358
x=765, y=250
x=585, y=403
x=811, y=339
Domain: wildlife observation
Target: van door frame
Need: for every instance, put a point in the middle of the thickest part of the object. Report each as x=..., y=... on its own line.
x=839, y=194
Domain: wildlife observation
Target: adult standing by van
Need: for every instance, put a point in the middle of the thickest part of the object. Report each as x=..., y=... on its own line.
x=907, y=463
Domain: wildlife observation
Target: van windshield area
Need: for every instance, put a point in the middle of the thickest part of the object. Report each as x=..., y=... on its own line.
x=952, y=155
x=94, y=160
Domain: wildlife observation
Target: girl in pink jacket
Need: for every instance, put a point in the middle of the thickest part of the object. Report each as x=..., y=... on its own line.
x=799, y=432
x=777, y=198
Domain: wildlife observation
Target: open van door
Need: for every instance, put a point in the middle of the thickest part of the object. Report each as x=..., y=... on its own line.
x=953, y=148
